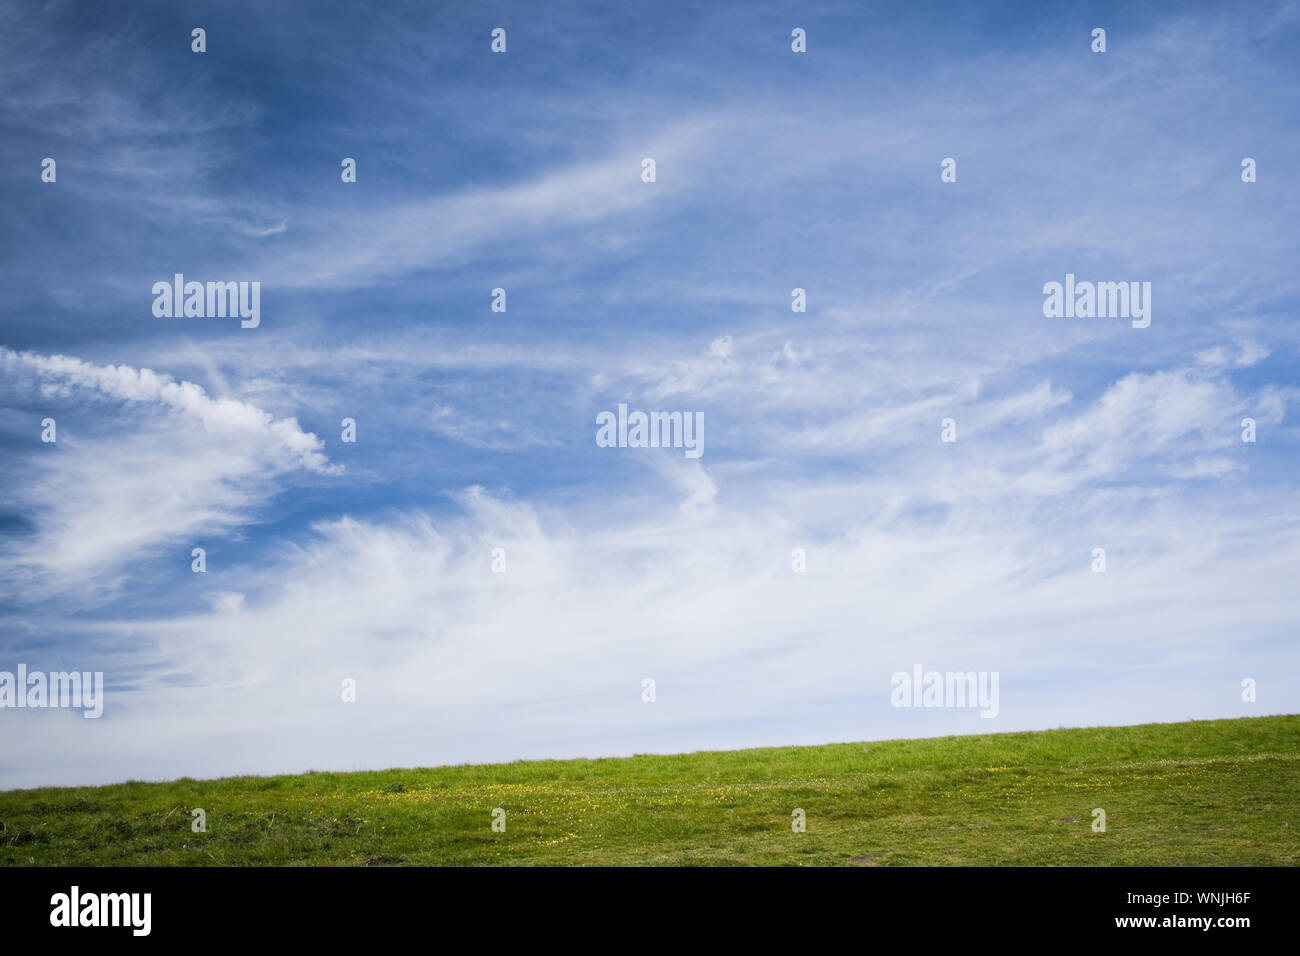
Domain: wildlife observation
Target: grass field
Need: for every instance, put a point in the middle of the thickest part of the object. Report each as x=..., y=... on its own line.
x=1201, y=793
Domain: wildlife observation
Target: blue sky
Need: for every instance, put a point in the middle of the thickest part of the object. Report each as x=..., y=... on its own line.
x=476, y=430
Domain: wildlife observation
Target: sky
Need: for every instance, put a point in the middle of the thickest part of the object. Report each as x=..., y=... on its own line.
x=374, y=564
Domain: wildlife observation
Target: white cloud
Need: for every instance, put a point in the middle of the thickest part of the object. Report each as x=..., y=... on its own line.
x=141, y=459
x=437, y=231
x=1248, y=353
x=454, y=662
x=1173, y=416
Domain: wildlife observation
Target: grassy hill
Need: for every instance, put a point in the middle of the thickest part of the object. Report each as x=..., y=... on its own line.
x=1200, y=793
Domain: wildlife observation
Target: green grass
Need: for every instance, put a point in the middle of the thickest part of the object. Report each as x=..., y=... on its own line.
x=1204, y=793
